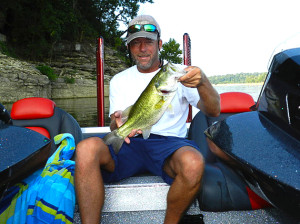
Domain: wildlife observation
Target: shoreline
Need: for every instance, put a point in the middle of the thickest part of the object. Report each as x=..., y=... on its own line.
x=239, y=84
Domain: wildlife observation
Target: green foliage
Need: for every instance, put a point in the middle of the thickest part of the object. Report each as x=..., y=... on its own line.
x=111, y=12
x=48, y=71
x=5, y=49
x=34, y=26
x=239, y=78
x=70, y=80
x=171, y=51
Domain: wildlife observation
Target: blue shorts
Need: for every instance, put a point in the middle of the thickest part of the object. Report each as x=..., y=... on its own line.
x=144, y=155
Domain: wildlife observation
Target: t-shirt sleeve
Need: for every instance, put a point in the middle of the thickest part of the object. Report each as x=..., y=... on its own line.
x=192, y=95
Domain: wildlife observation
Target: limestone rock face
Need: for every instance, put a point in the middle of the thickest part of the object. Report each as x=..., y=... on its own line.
x=19, y=79
x=74, y=66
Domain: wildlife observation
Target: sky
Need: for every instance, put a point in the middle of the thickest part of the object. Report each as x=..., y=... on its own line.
x=227, y=36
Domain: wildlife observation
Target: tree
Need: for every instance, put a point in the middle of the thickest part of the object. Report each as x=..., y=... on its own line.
x=239, y=78
x=171, y=51
x=34, y=26
x=111, y=14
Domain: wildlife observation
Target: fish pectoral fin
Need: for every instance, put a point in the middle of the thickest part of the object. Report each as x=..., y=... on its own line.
x=159, y=104
x=125, y=114
x=146, y=133
x=170, y=109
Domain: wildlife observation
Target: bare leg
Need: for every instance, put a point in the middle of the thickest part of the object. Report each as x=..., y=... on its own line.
x=91, y=154
x=221, y=154
x=186, y=165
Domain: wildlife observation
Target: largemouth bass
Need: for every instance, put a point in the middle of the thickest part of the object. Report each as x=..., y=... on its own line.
x=149, y=107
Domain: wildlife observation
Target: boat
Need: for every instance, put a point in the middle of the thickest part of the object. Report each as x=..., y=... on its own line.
x=267, y=151
x=255, y=135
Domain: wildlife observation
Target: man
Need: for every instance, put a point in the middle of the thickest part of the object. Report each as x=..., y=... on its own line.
x=167, y=152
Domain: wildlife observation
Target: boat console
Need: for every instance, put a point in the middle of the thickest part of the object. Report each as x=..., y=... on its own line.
x=22, y=151
x=265, y=144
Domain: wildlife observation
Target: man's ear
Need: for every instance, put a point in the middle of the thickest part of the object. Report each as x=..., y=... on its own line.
x=159, y=45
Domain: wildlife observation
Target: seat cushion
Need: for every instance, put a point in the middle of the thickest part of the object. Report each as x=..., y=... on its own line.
x=32, y=108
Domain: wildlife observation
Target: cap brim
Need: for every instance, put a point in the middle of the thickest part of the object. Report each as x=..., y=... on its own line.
x=143, y=34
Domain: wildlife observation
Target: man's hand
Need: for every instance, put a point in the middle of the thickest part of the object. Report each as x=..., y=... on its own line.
x=209, y=102
x=193, y=78
x=117, y=116
x=119, y=121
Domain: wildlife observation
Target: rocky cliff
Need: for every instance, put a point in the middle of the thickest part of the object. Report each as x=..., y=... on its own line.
x=19, y=79
x=76, y=62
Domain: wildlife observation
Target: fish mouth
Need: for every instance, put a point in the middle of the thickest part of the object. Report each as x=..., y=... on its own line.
x=165, y=92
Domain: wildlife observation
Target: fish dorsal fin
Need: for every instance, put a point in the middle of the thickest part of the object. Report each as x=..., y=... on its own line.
x=125, y=114
x=146, y=132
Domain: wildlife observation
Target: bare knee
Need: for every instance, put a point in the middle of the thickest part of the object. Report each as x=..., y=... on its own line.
x=192, y=167
x=91, y=150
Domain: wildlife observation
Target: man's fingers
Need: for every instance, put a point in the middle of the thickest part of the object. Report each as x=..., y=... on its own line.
x=132, y=134
x=127, y=140
x=192, y=78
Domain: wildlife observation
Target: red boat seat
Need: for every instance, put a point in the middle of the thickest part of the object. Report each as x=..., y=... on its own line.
x=236, y=102
x=231, y=103
x=42, y=115
x=223, y=188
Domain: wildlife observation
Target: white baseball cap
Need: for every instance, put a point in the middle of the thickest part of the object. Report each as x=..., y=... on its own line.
x=143, y=20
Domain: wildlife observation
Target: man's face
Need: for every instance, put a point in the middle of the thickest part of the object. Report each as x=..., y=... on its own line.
x=144, y=53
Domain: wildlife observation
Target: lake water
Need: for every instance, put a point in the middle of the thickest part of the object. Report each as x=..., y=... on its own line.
x=84, y=110
x=253, y=90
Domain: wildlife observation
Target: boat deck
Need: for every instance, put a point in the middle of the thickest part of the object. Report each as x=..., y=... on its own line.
x=142, y=200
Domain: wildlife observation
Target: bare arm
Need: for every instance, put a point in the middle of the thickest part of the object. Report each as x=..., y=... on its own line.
x=209, y=102
x=220, y=153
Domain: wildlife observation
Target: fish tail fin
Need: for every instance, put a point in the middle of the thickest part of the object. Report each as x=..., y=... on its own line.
x=114, y=139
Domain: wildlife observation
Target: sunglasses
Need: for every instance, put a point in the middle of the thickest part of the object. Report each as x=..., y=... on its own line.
x=146, y=27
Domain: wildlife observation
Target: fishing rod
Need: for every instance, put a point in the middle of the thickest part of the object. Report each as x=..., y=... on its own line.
x=100, y=81
x=187, y=61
